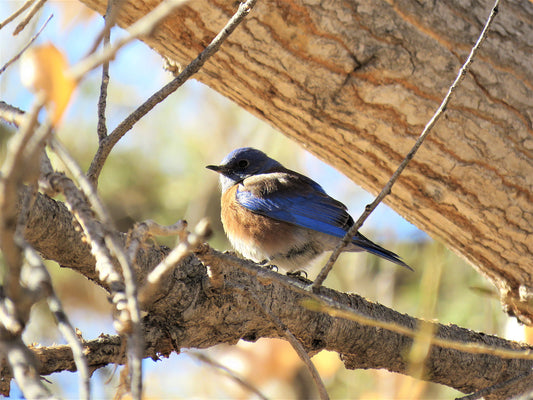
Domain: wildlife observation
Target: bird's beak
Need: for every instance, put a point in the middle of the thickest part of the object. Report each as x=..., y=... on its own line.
x=216, y=168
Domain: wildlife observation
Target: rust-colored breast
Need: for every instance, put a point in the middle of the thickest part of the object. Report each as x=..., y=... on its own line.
x=253, y=235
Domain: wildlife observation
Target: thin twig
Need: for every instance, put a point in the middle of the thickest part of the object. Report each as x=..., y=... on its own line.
x=113, y=7
x=11, y=114
x=105, y=35
x=102, y=100
x=16, y=13
x=17, y=56
x=36, y=7
x=144, y=26
x=107, y=145
x=352, y=315
x=387, y=189
x=245, y=384
x=63, y=323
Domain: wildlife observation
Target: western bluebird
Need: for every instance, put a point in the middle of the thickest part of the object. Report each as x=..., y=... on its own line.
x=273, y=214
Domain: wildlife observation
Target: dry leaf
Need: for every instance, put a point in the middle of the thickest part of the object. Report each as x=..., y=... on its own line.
x=43, y=71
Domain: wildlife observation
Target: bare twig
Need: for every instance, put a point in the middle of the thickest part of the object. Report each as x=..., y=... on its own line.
x=245, y=384
x=24, y=7
x=113, y=7
x=35, y=7
x=11, y=114
x=387, y=189
x=142, y=27
x=105, y=35
x=107, y=145
x=102, y=100
x=17, y=56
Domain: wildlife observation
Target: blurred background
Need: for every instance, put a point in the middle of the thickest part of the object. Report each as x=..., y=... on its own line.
x=157, y=171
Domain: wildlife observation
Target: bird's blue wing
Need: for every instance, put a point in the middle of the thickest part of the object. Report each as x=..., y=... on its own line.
x=295, y=199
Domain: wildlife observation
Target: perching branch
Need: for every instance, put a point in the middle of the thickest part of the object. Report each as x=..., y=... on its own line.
x=192, y=314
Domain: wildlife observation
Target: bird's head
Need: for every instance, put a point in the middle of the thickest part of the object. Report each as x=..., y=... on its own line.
x=241, y=164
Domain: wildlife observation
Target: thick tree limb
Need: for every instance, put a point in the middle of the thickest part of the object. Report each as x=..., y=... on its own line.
x=192, y=313
x=355, y=81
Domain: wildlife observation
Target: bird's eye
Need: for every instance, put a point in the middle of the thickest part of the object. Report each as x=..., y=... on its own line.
x=243, y=164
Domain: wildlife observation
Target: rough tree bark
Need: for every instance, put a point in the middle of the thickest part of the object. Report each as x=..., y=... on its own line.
x=355, y=81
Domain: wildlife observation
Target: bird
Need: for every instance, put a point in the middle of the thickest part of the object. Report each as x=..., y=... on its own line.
x=276, y=216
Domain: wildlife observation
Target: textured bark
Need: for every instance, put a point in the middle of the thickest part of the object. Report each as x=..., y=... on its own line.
x=355, y=81
x=195, y=311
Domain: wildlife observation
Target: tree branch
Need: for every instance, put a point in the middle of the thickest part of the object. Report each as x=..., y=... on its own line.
x=192, y=313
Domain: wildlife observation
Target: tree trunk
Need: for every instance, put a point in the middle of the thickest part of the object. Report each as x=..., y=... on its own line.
x=355, y=82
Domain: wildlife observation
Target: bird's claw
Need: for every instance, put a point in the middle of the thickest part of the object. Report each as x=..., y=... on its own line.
x=298, y=274
x=266, y=264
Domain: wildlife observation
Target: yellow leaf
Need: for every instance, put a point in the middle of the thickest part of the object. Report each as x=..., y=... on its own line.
x=43, y=71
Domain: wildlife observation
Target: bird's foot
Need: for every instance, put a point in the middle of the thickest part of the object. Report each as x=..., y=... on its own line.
x=300, y=275
x=266, y=264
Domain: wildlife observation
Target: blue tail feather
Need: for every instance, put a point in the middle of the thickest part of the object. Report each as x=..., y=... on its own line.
x=377, y=250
